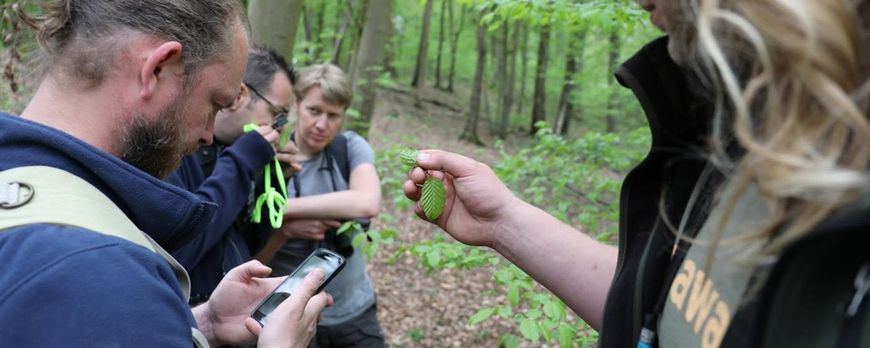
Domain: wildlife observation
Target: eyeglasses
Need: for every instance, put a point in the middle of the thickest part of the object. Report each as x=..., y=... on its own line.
x=279, y=114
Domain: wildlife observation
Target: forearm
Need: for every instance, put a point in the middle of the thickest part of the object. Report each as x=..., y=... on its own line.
x=335, y=205
x=574, y=266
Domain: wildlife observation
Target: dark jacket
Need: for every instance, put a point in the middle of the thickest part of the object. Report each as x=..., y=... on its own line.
x=780, y=314
x=67, y=286
x=224, y=176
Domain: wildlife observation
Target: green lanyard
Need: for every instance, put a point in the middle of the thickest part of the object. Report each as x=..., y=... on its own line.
x=275, y=201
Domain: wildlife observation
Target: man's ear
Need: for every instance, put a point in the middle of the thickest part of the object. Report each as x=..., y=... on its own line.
x=161, y=65
x=242, y=99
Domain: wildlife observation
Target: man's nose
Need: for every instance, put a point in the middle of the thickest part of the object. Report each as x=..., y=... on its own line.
x=206, y=137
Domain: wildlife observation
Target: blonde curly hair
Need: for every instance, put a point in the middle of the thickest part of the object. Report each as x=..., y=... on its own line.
x=792, y=83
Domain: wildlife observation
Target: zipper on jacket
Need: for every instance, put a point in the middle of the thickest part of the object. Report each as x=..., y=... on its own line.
x=855, y=314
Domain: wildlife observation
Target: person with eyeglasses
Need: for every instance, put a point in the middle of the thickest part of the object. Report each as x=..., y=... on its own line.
x=226, y=172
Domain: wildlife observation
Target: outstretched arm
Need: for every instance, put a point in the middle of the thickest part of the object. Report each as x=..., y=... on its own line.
x=480, y=210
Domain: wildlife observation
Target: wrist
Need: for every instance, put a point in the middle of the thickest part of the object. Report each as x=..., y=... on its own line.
x=507, y=223
x=205, y=323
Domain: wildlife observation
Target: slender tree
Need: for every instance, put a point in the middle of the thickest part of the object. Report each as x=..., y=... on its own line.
x=419, y=78
x=508, y=88
x=307, y=23
x=470, y=131
x=340, y=34
x=500, y=74
x=454, y=44
x=523, y=28
x=573, y=64
x=440, y=45
x=319, y=28
x=268, y=15
x=353, y=54
x=376, y=33
x=615, y=44
x=539, y=107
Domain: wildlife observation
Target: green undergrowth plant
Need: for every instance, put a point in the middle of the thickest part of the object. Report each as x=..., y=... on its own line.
x=368, y=242
x=576, y=180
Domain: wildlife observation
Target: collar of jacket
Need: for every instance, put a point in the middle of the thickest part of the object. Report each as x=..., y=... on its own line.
x=170, y=215
x=667, y=95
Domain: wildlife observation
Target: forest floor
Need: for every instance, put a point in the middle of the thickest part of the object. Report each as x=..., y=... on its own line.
x=418, y=308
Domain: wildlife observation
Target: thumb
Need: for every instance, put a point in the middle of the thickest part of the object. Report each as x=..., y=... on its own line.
x=448, y=162
x=268, y=133
x=253, y=326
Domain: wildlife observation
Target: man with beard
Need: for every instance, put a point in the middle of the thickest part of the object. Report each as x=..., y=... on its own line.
x=130, y=86
x=225, y=172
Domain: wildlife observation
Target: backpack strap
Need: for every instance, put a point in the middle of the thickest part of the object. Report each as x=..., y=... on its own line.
x=47, y=195
x=338, y=151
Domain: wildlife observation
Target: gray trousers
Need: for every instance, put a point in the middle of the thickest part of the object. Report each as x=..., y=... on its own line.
x=363, y=331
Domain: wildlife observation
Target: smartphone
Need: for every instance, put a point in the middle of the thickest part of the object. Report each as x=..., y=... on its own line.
x=327, y=261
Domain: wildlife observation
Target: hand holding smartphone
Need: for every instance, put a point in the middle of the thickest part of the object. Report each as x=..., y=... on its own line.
x=327, y=261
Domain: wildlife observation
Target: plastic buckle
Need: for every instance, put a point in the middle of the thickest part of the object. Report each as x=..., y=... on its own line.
x=15, y=194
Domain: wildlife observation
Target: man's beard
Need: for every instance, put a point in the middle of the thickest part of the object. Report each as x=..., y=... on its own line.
x=156, y=144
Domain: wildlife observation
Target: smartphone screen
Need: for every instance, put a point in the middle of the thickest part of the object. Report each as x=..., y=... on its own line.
x=327, y=261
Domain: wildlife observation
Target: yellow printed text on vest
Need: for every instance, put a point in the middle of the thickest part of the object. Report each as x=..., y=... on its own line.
x=696, y=296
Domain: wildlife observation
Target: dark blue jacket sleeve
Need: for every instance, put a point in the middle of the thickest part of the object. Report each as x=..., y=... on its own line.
x=107, y=294
x=229, y=185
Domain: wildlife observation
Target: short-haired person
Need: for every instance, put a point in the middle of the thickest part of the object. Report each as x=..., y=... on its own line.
x=760, y=241
x=225, y=171
x=130, y=87
x=322, y=197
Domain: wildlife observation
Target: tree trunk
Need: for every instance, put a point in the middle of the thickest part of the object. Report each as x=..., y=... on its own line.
x=454, y=45
x=376, y=33
x=508, y=88
x=539, y=107
x=500, y=78
x=309, y=31
x=440, y=46
x=353, y=55
x=573, y=63
x=419, y=78
x=615, y=43
x=470, y=131
x=319, y=29
x=339, y=38
x=268, y=15
x=524, y=57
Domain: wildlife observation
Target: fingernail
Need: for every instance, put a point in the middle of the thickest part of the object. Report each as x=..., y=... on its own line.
x=422, y=157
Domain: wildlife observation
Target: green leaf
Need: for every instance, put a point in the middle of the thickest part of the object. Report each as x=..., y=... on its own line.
x=529, y=329
x=433, y=198
x=511, y=341
x=514, y=294
x=566, y=335
x=408, y=158
x=481, y=315
x=505, y=311
x=551, y=309
x=358, y=240
x=348, y=226
x=433, y=258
